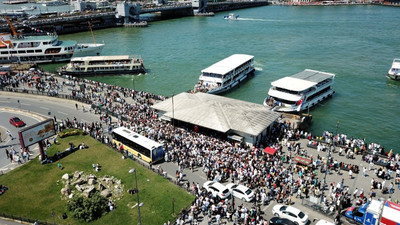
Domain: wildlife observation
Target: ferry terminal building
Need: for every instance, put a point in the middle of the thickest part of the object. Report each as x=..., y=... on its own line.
x=234, y=119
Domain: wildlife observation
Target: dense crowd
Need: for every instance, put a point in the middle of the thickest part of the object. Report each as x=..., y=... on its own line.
x=274, y=177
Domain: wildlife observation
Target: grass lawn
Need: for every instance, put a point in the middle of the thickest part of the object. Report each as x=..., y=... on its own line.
x=33, y=191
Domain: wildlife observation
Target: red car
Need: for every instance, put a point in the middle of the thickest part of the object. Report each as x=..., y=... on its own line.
x=17, y=122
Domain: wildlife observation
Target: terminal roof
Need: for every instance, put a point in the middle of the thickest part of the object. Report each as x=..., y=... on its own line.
x=218, y=113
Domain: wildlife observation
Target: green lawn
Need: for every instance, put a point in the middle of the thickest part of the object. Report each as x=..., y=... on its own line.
x=34, y=193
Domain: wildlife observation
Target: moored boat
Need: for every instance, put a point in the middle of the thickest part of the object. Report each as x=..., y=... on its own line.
x=103, y=65
x=34, y=48
x=300, y=91
x=225, y=74
x=88, y=49
x=53, y=3
x=394, y=72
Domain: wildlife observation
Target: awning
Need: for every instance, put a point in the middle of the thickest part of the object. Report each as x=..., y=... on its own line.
x=236, y=138
x=270, y=150
x=302, y=160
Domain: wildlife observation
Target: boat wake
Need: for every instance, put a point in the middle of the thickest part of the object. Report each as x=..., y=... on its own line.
x=254, y=19
x=258, y=68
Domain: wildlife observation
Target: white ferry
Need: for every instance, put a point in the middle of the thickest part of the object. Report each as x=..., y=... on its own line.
x=103, y=65
x=225, y=74
x=34, y=48
x=300, y=91
x=88, y=49
x=394, y=72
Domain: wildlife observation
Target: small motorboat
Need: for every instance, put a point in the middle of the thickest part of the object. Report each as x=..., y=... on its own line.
x=394, y=72
x=25, y=8
x=231, y=16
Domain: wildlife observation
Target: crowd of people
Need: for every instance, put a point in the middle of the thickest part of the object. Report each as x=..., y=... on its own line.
x=274, y=177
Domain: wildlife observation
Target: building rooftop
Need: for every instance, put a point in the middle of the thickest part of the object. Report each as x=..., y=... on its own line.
x=218, y=113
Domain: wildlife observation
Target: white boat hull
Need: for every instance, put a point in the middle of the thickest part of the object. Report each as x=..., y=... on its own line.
x=83, y=50
x=304, y=106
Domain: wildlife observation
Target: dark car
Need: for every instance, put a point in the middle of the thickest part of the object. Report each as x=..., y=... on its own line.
x=17, y=122
x=280, y=221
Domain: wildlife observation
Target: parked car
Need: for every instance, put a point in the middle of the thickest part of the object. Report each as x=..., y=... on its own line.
x=217, y=189
x=241, y=192
x=291, y=213
x=280, y=221
x=17, y=122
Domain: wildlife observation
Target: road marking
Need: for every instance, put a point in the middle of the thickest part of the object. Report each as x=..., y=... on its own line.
x=25, y=104
x=266, y=207
x=62, y=112
x=44, y=108
x=5, y=101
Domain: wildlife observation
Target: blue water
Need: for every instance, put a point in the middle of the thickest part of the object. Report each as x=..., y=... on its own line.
x=357, y=43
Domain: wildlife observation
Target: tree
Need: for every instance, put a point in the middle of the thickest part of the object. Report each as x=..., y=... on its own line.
x=88, y=209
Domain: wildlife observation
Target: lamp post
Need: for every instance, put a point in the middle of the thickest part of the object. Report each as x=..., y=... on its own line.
x=137, y=194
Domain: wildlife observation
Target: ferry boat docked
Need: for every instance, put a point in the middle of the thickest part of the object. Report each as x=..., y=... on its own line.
x=394, y=72
x=300, y=91
x=225, y=74
x=34, y=48
x=103, y=65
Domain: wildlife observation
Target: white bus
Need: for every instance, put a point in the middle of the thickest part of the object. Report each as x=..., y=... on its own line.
x=134, y=144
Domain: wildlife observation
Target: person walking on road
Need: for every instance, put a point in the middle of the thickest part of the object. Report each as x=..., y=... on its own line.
x=7, y=154
x=10, y=135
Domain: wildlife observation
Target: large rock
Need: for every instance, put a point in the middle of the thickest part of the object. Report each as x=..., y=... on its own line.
x=89, y=191
x=66, y=191
x=78, y=174
x=106, y=193
x=79, y=182
x=91, y=181
x=65, y=176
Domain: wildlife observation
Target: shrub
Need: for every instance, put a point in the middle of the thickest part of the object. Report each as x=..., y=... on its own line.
x=70, y=132
x=88, y=209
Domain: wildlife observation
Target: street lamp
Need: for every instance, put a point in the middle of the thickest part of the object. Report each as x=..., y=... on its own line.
x=137, y=194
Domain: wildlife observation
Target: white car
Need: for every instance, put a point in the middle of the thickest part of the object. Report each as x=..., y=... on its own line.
x=217, y=189
x=324, y=222
x=291, y=213
x=241, y=192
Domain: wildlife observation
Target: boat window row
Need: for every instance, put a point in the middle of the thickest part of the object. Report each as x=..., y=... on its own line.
x=28, y=44
x=318, y=93
x=21, y=52
x=285, y=90
x=324, y=82
x=216, y=75
x=68, y=48
x=109, y=62
x=243, y=66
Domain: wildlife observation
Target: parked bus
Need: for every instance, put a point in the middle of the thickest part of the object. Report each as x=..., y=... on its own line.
x=134, y=144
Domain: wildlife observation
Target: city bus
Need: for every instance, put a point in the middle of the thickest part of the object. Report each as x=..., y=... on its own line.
x=134, y=144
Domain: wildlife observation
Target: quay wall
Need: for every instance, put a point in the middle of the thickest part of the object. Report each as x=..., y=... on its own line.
x=226, y=6
x=64, y=24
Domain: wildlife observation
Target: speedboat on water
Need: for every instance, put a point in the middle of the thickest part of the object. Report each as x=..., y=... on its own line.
x=231, y=16
x=25, y=8
x=300, y=91
x=394, y=72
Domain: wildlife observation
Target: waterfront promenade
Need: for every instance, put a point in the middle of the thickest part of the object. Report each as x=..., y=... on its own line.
x=198, y=176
